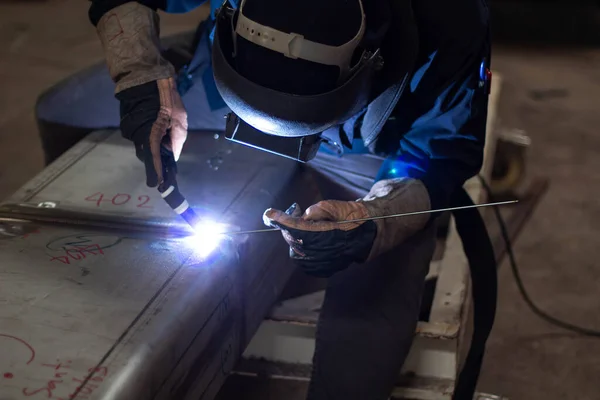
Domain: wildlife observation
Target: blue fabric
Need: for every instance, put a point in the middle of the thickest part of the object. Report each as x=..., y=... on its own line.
x=443, y=145
x=437, y=130
x=200, y=71
x=420, y=72
x=183, y=6
x=440, y=132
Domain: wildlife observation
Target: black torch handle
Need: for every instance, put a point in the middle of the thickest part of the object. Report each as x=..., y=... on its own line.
x=169, y=189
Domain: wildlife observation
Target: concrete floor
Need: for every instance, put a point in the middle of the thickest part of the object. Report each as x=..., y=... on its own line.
x=550, y=91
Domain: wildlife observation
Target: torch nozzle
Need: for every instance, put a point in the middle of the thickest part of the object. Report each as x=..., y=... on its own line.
x=179, y=204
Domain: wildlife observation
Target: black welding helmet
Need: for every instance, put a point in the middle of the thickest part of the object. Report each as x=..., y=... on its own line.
x=283, y=83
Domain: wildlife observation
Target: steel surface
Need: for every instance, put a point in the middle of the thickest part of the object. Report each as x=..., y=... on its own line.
x=94, y=312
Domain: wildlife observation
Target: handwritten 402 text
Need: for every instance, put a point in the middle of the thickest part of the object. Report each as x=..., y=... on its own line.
x=119, y=199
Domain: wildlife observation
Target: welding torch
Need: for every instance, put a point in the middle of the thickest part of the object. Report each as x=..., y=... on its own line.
x=169, y=190
x=179, y=204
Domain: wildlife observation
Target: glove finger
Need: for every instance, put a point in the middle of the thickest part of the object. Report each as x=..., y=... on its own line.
x=152, y=177
x=292, y=240
x=338, y=211
x=157, y=133
x=320, y=212
x=279, y=219
x=294, y=210
x=173, y=107
x=295, y=252
x=166, y=153
x=178, y=138
x=139, y=152
x=178, y=133
x=319, y=266
x=169, y=173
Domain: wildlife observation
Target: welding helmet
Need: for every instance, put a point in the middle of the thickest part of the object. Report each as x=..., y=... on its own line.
x=273, y=115
x=285, y=109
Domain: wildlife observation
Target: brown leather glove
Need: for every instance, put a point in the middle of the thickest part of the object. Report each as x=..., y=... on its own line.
x=153, y=117
x=152, y=112
x=322, y=246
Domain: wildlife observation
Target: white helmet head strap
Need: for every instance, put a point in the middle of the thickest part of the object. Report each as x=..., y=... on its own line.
x=293, y=45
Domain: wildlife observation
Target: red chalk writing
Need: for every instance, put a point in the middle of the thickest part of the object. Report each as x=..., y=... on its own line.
x=119, y=199
x=50, y=386
x=144, y=199
x=98, y=373
x=80, y=240
x=77, y=253
x=59, y=365
x=61, y=377
x=83, y=385
x=30, y=352
x=113, y=27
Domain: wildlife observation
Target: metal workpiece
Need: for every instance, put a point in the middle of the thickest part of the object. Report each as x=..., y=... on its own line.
x=106, y=179
x=118, y=307
x=67, y=297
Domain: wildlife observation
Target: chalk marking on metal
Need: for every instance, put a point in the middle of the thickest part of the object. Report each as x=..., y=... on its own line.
x=498, y=203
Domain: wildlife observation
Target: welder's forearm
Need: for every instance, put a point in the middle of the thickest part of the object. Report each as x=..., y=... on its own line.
x=396, y=196
x=130, y=38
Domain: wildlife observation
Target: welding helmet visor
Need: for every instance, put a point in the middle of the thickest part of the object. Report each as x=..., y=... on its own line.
x=286, y=114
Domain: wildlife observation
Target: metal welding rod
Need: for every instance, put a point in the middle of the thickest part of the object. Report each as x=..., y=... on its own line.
x=179, y=204
x=498, y=203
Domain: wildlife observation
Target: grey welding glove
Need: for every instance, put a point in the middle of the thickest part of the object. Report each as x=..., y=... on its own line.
x=322, y=246
x=130, y=38
x=152, y=112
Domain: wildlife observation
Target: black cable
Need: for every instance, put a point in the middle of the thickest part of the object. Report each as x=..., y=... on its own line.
x=479, y=251
x=515, y=270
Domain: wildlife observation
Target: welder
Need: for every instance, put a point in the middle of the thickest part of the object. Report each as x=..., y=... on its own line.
x=397, y=92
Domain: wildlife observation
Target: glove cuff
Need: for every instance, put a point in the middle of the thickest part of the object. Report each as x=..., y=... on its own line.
x=396, y=196
x=130, y=38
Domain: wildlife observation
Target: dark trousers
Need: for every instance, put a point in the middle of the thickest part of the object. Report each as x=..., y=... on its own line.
x=370, y=312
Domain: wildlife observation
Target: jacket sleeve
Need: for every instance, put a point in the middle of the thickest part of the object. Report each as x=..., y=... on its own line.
x=443, y=115
x=101, y=7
